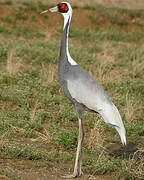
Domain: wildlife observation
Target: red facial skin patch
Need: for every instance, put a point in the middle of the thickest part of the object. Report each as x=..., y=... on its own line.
x=63, y=7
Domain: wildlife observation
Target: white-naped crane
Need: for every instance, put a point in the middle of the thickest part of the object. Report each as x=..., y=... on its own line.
x=82, y=90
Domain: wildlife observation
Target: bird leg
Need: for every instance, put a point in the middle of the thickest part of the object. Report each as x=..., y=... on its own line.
x=78, y=162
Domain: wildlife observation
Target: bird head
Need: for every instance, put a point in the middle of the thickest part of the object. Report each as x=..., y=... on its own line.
x=63, y=7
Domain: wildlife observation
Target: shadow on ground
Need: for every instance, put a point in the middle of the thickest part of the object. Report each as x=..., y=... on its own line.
x=128, y=151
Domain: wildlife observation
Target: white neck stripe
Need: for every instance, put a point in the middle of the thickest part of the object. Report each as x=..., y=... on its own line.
x=67, y=17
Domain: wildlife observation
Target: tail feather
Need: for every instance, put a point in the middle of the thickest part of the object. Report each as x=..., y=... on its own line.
x=121, y=132
x=111, y=116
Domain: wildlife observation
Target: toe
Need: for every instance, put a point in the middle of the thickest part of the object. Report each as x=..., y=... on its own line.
x=68, y=176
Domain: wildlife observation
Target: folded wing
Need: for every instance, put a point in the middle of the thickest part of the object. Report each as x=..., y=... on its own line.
x=85, y=90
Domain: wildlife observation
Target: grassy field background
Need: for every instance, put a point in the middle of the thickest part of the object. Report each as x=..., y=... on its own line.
x=38, y=125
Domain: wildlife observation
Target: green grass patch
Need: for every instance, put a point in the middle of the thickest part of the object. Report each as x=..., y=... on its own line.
x=7, y=2
x=20, y=13
x=4, y=29
x=22, y=152
x=28, y=32
x=7, y=173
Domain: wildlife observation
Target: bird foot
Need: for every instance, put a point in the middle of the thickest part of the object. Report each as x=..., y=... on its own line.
x=68, y=176
x=74, y=175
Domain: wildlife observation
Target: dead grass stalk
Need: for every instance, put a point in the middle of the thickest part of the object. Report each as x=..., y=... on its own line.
x=48, y=73
x=11, y=66
x=130, y=108
x=33, y=112
x=96, y=138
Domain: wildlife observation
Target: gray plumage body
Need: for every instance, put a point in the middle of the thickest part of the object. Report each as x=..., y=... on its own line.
x=74, y=78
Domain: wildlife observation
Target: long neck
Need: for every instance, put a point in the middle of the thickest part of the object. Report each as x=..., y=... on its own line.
x=64, y=41
x=64, y=51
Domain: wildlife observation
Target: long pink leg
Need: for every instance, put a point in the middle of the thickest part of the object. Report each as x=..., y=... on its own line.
x=78, y=161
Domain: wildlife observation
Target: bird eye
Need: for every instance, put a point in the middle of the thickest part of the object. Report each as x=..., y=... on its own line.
x=63, y=8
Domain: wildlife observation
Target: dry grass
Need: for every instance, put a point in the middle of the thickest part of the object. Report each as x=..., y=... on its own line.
x=33, y=112
x=12, y=65
x=135, y=166
x=137, y=68
x=96, y=138
x=3, y=138
x=106, y=59
x=43, y=137
x=48, y=73
x=130, y=108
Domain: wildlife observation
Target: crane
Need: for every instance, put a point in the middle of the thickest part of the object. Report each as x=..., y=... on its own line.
x=82, y=90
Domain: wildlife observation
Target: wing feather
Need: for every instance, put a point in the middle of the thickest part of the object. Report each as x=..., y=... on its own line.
x=87, y=91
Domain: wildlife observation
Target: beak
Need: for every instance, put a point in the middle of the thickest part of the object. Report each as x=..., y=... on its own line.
x=44, y=11
x=54, y=9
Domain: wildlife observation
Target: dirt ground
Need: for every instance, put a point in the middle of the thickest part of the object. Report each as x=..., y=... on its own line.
x=111, y=3
x=121, y=3
x=135, y=4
